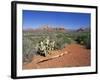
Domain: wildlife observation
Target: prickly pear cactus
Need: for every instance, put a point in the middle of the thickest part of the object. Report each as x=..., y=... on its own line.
x=45, y=46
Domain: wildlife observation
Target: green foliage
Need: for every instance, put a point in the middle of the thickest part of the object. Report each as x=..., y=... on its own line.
x=28, y=50
x=62, y=40
x=88, y=42
x=84, y=39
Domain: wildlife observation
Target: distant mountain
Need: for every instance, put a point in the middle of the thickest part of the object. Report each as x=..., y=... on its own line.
x=80, y=30
x=83, y=29
x=46, y=27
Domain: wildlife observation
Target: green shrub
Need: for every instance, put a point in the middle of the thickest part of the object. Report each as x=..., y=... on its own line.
x=87, y=42
x=62, y=40
x=28, y=50
x=84, y=40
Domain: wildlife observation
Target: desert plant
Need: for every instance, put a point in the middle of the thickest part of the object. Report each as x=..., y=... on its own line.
x=87, y=42
x=84, y=40
x=43, y=47
x=28, y=50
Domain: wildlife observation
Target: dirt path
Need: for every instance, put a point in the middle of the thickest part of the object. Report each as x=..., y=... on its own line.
x=76, y=55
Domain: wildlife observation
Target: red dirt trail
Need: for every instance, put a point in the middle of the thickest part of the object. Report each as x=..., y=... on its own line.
x=77, y=55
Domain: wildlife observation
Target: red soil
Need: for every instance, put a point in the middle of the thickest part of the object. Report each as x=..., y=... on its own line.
x=76, y=56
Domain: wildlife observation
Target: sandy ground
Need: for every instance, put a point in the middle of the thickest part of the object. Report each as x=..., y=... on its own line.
x=74, y=55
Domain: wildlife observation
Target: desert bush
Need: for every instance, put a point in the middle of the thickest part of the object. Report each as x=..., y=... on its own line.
x=28, y=50
x=87, y=42
x=62, y=40
x=84, y=40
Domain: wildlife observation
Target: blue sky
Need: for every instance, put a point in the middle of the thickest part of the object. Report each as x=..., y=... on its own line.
x=35, y=19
